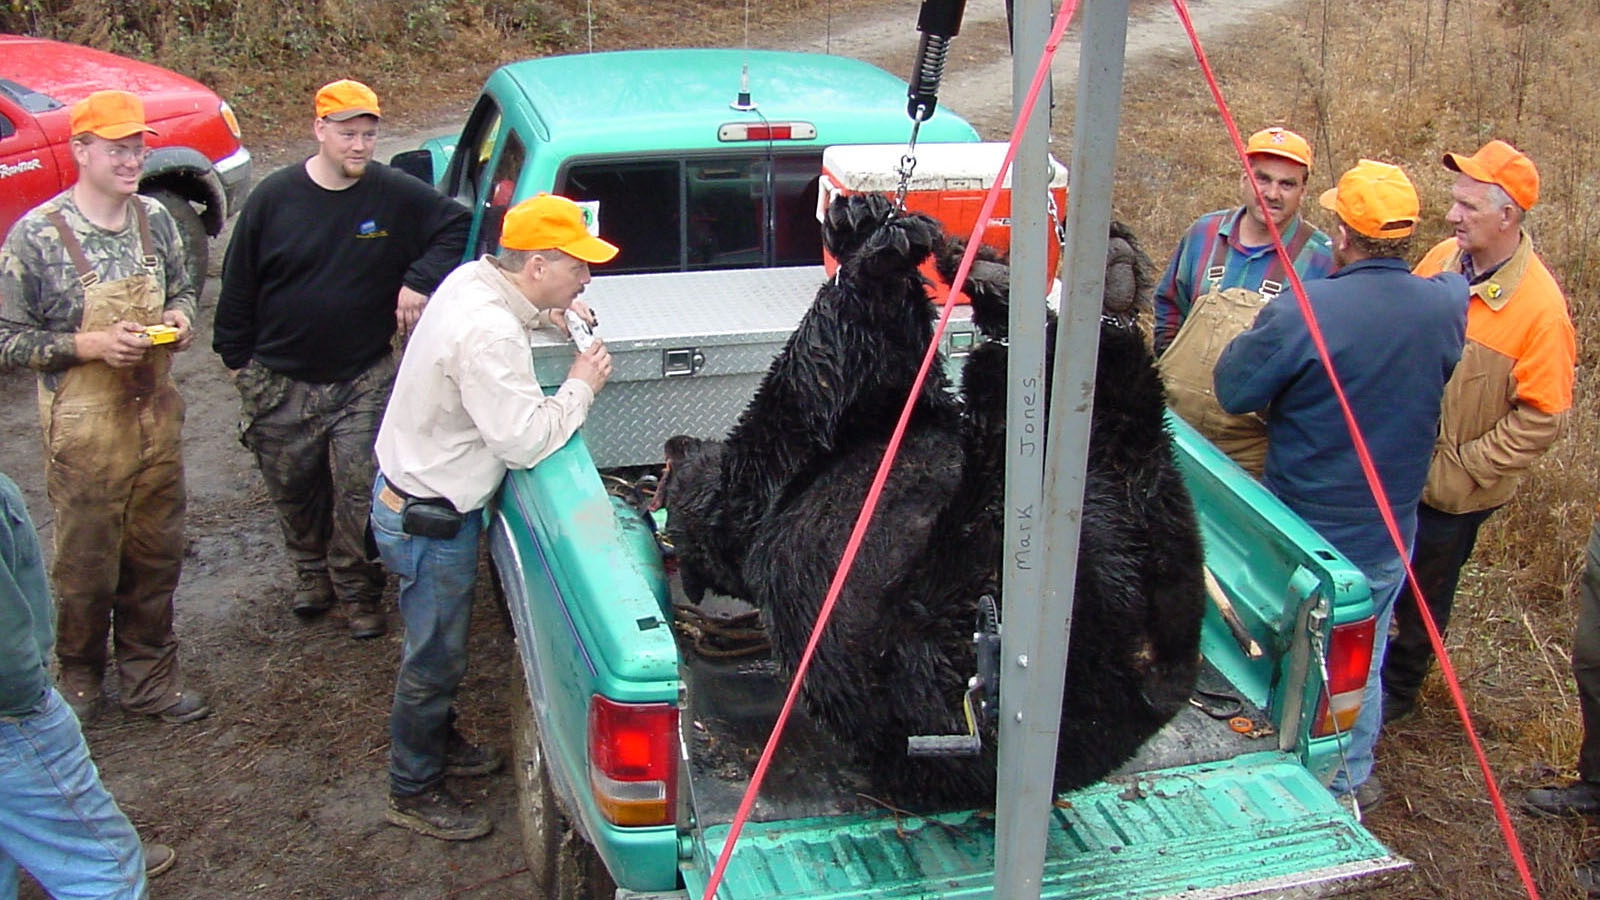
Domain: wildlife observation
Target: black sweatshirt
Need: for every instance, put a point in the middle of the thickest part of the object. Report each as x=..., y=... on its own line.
x=311, y=277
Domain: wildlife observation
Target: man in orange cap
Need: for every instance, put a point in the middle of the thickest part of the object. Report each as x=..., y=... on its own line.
x=1393, y=339
x=81, y=279
x=328, y=259
x=466, y=408
x=1507, y=403
x=1222, y=272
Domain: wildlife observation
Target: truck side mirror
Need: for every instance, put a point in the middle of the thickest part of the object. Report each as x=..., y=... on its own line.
x=417, y=163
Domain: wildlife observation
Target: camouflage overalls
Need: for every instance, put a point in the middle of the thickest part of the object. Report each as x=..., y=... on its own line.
x=114, y=461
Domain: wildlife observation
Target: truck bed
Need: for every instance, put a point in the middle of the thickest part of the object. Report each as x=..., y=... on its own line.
x=732, y=704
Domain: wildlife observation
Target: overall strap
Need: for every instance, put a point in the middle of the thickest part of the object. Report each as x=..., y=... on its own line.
x=1217, y=265
x=86, y=274
x=1272, y=284
x=149, y=259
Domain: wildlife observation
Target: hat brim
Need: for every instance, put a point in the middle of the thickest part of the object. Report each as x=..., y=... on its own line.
x=1281, y=154
x=590, y=249
x=121, y=130
x=1329, y=199
x=346, y=115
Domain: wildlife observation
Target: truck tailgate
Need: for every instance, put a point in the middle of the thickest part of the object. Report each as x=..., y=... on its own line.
x=1254, y=825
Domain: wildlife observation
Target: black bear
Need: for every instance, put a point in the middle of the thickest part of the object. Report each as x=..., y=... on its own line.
x=766, y=514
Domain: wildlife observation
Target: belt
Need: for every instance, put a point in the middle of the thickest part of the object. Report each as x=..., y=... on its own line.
x=391, y=496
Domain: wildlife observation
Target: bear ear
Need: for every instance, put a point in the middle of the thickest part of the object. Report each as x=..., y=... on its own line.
x=850, y=218
x=680, y=447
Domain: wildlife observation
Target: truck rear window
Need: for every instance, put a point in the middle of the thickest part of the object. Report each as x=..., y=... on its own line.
x=723, y=212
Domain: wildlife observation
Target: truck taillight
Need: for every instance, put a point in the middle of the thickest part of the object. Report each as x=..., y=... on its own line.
x=1349, y=661
x=633, y=761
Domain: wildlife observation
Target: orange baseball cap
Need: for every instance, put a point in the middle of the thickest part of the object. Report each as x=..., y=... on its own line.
x=548, y=222
x=1282, y=142
x=112, y=115
x=341, y=100
x=1375, y=199
x=1497, y=162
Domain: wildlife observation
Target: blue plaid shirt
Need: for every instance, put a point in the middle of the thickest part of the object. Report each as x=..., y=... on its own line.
x=1253, y=268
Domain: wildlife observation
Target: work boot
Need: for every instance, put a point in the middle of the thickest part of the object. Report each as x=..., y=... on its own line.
x=437, y=813
x=1578, y=799
x=1396, y=707
x=313, y=595
x=190, y=706
x=1587, y=876
x=464, y=759
x=158, y=858
x=367, y=621
x=86, y=704
x=1367, y=795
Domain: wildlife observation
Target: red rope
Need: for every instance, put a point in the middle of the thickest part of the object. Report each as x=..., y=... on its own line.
x=882, y=476
x=1367, y=468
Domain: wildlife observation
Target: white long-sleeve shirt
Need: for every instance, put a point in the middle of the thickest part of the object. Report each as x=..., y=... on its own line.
x=466, y=406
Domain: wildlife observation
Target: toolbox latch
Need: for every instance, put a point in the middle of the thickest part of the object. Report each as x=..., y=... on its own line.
x=682, y=362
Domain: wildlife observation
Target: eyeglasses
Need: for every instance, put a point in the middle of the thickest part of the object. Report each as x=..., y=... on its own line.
x=122, y=155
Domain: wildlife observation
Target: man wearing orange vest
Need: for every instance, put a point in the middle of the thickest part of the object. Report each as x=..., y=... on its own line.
x=1506, y=403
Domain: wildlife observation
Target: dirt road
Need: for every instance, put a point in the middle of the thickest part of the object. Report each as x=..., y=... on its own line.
x=281, y=792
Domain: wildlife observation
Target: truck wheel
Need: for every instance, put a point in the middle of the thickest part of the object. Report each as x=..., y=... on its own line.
x=196, y=243
x=563, y=863
x=537, y=808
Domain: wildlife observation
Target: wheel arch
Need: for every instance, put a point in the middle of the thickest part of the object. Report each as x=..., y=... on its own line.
x=189, y=174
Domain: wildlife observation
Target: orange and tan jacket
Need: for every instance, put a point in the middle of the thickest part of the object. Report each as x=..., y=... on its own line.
x=1508, y=399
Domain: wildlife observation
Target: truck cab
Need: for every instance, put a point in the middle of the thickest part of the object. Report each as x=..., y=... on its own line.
x=690, y=160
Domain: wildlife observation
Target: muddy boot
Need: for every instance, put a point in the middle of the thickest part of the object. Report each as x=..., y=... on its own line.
x=86, y=703
x=437, y=813
x=313, y=595
x=158, y=859
x=464, y=759
x=367, y=620
x=186, y=706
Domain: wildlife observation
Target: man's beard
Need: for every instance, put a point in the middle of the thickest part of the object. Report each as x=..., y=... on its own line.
x=355, y=169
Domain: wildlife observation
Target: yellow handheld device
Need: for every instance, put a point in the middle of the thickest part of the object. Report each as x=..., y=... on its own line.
x=161, y=334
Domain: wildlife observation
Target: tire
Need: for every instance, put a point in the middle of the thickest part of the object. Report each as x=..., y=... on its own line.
x=537, y=809
x=564, y=865
x=196, y=243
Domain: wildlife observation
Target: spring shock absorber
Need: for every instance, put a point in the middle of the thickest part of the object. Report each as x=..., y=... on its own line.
x=939, y=21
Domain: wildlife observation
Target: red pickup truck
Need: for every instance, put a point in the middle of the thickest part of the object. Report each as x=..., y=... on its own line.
x=197, y=168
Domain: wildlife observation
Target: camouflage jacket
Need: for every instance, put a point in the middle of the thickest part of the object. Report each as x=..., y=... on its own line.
x=41, y=299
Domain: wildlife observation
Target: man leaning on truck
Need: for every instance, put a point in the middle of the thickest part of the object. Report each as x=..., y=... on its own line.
x=466, y=408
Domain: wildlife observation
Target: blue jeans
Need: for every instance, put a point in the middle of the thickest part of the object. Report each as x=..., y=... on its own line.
x=1359, y=535
x=1385, y=581
x=56, y=819
x=437, y=578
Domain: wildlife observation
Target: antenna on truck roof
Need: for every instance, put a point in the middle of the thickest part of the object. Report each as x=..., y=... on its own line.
x=743, y=103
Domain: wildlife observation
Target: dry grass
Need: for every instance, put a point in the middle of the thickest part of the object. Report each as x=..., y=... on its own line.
x=1405, y=81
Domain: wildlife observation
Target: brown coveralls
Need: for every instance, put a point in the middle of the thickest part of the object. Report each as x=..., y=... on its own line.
x=115, y=479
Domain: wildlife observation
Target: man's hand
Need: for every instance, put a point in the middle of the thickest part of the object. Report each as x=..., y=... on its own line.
x=408, y=309
x=178, y=320
x=120, y=345
x=592, y=366
x=558, y=317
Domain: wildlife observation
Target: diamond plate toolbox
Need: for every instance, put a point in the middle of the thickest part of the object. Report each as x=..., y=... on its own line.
x=689, y=350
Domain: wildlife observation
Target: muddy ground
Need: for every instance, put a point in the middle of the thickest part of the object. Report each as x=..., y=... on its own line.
x=281, y=792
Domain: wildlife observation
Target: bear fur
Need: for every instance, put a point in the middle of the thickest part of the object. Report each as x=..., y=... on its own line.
x=765, y=516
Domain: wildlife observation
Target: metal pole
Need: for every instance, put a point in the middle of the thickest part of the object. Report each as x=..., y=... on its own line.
x=1023, y=807
x=1020, y=782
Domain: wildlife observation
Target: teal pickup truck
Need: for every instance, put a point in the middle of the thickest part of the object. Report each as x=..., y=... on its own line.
x=634, y=747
